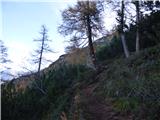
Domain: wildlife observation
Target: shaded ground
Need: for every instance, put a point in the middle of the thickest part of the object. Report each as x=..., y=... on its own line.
x=95, y=108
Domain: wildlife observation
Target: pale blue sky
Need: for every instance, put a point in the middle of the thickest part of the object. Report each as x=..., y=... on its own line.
x=21, y=23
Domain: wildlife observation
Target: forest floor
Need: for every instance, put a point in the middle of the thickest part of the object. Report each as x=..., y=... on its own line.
x=96, y=108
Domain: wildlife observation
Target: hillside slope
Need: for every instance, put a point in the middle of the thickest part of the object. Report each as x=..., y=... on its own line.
x=127, y=89
x=123, y=90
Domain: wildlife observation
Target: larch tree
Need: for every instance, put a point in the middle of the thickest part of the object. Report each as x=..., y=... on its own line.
x=121, y=20
x=83, y=21
x=148, y=6
x=38, y=57
x=125, y=47
x=3, y=53
x=120, y=8
x=3, y=58
x=74, y=45
x=137, y=5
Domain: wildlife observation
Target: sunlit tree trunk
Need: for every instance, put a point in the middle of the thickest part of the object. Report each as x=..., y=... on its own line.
x=125, y=47
x=137, y=26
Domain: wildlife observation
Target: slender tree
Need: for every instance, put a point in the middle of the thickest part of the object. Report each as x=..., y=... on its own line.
x=122, y=24
x=120, y=8
x=137, y=25
x=38, y=57
x=74, y=45
x=148, y=6
x=3, y=58
x=82, y=21
x=3, y=53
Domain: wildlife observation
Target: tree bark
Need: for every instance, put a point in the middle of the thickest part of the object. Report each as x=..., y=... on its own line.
x=89, y=33
x=40, y=58
x=137, y=27
x=125, y=47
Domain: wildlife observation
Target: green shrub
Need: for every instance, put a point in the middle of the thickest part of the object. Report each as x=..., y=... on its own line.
x=126, y=104
x=134, y=83
x=33, y=105
x=111, y=50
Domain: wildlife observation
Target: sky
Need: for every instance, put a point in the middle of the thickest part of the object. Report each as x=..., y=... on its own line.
x=21, y=21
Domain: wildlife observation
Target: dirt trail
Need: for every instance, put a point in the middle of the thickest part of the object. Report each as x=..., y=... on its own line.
x=96, y=109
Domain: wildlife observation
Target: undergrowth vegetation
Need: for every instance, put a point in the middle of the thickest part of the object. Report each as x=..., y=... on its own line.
x=111, y=50
x=32, y=104
x=133, y=84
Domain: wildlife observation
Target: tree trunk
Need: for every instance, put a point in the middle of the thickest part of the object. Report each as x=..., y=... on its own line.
x=40, y=58
x=137, y=27
x=125, y=47
x=89, y=33
x=91, y=48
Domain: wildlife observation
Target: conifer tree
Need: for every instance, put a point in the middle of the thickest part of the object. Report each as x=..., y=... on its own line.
x=122, y=34
x=3, y=58
x=83, y=21
x=38, y=57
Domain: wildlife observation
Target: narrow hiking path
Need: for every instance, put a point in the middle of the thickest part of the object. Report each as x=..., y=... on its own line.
x=95, y=108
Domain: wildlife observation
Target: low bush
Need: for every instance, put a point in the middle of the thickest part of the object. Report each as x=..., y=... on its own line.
x=134, y=83
x=32, y=104
x=111, y=50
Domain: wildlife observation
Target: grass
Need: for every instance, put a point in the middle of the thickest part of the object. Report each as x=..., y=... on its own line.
x=134, y=83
